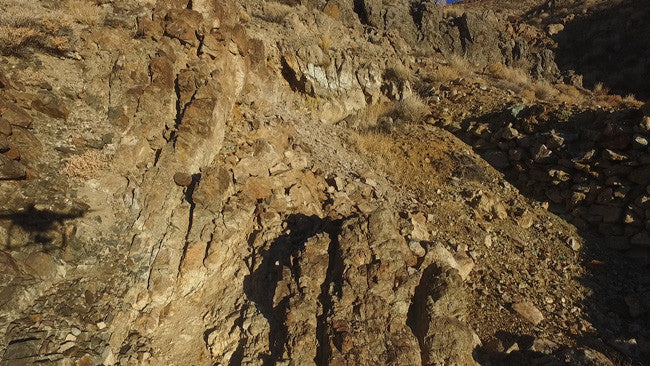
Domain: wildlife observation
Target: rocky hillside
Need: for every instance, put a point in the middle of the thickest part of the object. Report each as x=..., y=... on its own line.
x=226, y=182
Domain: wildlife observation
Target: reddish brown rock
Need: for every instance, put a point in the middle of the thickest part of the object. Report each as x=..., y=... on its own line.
x=52, y=109
x=12, y=153
x=150, y=28
x=8, y=265
x=182, y=179
x=17, y=116
x=258, y=187
x=162, y=73
x=183, y=24
x=214, y=186
x=30, y=147
x=332, y=9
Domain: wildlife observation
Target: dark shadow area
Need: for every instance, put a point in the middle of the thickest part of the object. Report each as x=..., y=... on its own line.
x=418, y=318
x=594, y=172
x=41, y=225
x=611, y=46
x=260, y=286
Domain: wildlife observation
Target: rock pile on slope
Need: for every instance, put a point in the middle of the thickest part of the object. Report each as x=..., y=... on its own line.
x=592, y=166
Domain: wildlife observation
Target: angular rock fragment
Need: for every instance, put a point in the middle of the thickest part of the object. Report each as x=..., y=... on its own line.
x=529, y=312
x=11, y=170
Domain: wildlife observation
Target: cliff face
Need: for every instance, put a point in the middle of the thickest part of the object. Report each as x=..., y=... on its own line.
x=257, y=182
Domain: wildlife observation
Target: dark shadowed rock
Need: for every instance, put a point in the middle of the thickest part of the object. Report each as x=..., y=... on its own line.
x=11, y=170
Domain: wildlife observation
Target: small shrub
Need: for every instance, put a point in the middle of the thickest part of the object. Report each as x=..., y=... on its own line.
x=84, y=12
x=24, y=29
x=85, y=166
x=444, y=73
x=544, y=90
x=461, y=65
x=367, y=119
x=412, y=109
x=452, y=68
x=515, y=76
x=600, y=89
x=399, y=72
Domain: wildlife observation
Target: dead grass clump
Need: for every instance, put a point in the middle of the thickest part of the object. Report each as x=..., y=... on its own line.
x=399, y=72
x=600, y=89
x=382, y=150
x=23, y=32
x=455, y=68
x=444, y=73
x=461, y=64
x=84, y=11
x=85, y=166
x=13, y=37
x=412, y=109
x=601, y=97
x=569, y=94
x=515, y=76
x=367, y=118
x=544, y=90
x=383, y=116
x=386, y=153
x=521, y=83
x=378, y=145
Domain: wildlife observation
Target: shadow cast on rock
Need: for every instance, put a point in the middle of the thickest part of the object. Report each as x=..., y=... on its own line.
x=261, y=285
x=40, y=224
x=611, y=46
x=588, y=167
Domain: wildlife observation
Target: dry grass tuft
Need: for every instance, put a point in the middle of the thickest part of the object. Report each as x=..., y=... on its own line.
x=399, y=72
x=515, y=76
x=522, y=84
x=384, y=152
x=600, y=89
x=444, y=73
x=26, y=27
x=85, y=166
x=455, y=68
x=367, y=118
x=544, y=90
x=412, y=109
x=84, y=11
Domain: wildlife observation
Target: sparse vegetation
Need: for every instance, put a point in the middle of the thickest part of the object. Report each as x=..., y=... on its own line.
x=84, y=11
x=455, y=67
x=522, y=84
x=86, y=165
x=600, y=89
x=24, y=29
x=412, y=109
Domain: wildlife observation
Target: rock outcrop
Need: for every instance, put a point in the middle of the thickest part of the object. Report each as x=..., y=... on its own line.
x=215, y=182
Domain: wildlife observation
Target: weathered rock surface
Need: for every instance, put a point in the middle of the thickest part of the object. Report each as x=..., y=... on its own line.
x=185, y=182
